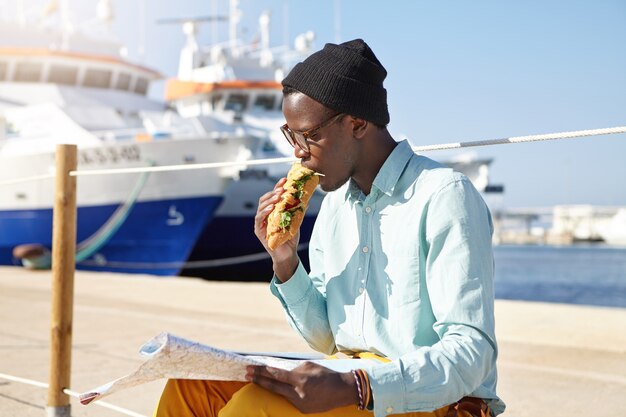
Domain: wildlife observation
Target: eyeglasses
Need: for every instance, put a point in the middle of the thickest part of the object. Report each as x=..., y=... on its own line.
x=300, y=139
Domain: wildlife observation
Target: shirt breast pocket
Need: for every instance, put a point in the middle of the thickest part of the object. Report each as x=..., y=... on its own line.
x=403, y=279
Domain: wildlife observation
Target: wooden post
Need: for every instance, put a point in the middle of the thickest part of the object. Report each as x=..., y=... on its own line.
x=63, y=265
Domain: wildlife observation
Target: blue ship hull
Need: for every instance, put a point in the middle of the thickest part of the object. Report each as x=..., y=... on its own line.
x=228, y=249
x=149, y=241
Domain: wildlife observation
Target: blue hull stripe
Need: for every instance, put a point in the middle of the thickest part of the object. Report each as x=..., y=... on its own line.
x=157, y=237
x=211, y=257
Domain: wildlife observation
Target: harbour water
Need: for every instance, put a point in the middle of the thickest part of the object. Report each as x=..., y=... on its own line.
x=574, y=274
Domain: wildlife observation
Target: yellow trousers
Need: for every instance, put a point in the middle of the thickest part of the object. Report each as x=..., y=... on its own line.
x=199, y=398
x=195, y=398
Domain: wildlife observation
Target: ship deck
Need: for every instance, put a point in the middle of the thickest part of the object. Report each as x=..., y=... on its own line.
x=554, y=359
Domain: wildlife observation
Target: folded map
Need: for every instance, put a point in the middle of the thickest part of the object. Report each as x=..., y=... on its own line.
x=172, y=357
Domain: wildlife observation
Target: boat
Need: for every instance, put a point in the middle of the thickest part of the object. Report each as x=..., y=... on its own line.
x=63, y=86
x=613, y=231
x=223, y=105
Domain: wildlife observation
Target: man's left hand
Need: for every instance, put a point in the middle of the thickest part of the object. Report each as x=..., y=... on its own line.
x=310, y=387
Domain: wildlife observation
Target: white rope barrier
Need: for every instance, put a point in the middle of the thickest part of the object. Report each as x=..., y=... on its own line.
x=183, y=167
x=269, y=161
x=523, y=139
x=70, y=393
x=27, y=179
x=446, y=146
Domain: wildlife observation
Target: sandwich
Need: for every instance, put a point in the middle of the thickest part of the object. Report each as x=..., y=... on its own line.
x=284, y=221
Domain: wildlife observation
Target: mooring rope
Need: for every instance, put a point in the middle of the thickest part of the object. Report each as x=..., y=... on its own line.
x=269, y=161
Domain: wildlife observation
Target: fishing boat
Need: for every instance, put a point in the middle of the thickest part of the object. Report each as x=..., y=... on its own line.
x=64, y=86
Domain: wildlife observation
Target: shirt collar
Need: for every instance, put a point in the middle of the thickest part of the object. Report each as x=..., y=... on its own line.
x=389, y=173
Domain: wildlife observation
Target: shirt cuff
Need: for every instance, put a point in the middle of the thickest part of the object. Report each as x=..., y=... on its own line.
x=387, y=388
x=295, y=289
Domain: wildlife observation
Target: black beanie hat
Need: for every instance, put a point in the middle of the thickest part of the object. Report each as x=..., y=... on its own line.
x=347, y=78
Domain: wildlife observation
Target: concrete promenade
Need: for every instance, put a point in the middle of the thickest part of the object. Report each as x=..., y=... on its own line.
x=555, y=360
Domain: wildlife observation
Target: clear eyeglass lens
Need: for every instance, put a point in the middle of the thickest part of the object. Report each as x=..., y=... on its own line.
x=295, y=139
x=302, y=141
x=288, y=136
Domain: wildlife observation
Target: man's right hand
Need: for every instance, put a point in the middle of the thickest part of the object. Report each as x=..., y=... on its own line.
x=284, y=257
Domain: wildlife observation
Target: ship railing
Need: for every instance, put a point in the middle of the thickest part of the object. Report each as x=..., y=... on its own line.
x=142, y=134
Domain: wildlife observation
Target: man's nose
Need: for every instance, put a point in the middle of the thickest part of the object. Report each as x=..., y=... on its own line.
x=299, y=152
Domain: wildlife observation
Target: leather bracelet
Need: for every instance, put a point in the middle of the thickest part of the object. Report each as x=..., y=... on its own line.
x=367, y=389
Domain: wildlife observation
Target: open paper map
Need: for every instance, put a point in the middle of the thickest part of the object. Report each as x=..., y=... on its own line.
x=173, y=357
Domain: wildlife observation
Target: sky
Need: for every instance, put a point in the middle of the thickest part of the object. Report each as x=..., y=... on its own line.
x=458, y=71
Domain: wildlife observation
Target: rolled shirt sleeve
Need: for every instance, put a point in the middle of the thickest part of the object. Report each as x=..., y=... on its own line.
x=305, y=308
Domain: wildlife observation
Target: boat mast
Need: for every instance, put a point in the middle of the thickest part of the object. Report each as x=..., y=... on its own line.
x=234, y=17
x=337, y=21
x=189, y=55
x=285, y=22
x=142, y=30
x=213, y=27
x=266, y=58
x=66, y=25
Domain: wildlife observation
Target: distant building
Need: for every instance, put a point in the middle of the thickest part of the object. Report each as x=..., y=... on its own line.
x=581, y=222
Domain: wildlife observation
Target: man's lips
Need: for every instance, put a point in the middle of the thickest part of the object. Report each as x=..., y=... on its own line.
x=314, y=172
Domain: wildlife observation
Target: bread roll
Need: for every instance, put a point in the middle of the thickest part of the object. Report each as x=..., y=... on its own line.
x=284, y=221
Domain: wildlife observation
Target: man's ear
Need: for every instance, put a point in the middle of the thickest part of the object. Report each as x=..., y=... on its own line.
x=359, y=127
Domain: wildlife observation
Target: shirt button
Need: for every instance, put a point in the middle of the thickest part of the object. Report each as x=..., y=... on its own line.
x=361, y=290
x=366, y=249
x=368, y=209
x=389, y=410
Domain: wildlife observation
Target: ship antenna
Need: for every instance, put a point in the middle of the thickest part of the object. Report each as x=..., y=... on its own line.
x=190, y=54
x=21, y=16
x=286, y=22
x=235, y=16
x=66, y=25
x=266, y=58
x=213, y=27
x=142, y=30
x=337, y=21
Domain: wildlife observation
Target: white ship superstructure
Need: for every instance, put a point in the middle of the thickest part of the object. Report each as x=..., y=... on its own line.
x=61, y=86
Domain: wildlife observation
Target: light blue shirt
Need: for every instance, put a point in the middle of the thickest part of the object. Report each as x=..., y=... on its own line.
x=405, y=272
